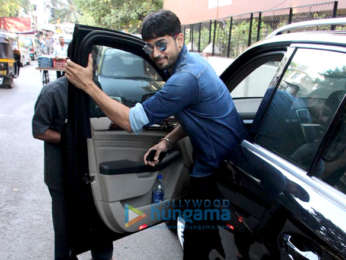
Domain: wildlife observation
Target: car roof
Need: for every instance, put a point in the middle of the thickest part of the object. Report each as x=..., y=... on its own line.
x=324, y=38
x=328, y=38
x=313, y=32
x=309, y=24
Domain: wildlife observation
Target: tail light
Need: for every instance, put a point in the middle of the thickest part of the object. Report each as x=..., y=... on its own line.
x=141, y=227
x=231, y=227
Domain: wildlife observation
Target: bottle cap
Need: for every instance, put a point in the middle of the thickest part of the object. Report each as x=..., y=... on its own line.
x=159, y=177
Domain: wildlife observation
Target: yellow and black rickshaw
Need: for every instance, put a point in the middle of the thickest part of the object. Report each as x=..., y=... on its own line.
x=9, y=60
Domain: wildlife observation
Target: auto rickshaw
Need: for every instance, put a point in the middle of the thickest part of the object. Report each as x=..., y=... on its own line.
x=9, y=60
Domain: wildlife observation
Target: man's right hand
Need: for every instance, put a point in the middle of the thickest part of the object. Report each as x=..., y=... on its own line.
x=81, y=77
x=160, y=147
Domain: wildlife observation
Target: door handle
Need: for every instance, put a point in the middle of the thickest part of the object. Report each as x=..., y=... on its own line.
x=296, y=251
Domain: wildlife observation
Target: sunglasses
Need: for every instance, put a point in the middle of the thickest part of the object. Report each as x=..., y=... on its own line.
x=161, y=45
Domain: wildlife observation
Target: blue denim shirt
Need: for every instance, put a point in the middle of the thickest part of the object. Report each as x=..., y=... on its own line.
x=202, y=104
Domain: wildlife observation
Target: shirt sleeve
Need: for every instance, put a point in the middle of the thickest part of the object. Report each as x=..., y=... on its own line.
x=180, y=91
x=138, y=118
x=43, y=114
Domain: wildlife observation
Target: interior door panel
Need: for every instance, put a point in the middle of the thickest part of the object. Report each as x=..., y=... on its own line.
x=113, y=192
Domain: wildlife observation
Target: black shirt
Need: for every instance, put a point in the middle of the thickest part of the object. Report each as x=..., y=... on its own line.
x=50, y=113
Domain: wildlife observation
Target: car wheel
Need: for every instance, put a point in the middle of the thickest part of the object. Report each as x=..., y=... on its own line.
x=8, y=82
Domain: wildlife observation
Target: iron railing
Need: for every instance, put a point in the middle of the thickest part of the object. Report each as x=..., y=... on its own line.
x=230, y=36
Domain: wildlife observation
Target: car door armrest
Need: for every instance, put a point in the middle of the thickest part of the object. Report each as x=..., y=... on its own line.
x=127, y=166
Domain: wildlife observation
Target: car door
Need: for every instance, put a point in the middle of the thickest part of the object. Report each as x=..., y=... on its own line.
x=107, y=161
x=280, y=206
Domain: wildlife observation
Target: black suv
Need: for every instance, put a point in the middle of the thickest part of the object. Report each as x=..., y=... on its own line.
x=288, y=186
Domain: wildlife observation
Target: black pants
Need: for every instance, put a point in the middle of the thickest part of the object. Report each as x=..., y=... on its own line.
x=202, y=236
x=17, y=68
x=62, y=250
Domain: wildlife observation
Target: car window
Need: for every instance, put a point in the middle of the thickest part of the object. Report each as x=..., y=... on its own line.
x=124, y=76
x=256, y=83
x=303, y=105
x=121, y=64
x=331, y=167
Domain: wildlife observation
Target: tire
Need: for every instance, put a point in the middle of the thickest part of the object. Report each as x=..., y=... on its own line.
x=8, y=83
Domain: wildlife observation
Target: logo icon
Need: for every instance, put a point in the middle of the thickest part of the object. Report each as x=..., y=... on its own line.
x=132, y=215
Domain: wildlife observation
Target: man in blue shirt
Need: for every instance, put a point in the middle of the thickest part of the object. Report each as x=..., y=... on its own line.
x=194, y=94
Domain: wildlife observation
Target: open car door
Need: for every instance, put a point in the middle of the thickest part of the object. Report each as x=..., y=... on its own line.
x=106, y=162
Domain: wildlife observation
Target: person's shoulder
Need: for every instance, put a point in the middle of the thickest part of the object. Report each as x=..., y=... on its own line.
x=194, y=64
x=185, y=73
x=58, y=85
x=197, y=61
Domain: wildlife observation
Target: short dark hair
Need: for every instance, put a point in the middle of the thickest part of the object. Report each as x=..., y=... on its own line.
x=159, y=24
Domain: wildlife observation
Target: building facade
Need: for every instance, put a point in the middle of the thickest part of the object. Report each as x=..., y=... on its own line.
x=218, y=9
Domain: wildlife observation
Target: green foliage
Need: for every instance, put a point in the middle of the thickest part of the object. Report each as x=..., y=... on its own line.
x=204, y=40
x=240, y=32
x=11, y=8
x=63, y=11
x=337, y=73
x=116, y=14
x=239, y=36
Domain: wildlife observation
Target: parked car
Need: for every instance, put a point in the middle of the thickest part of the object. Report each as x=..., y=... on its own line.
x=287, y=189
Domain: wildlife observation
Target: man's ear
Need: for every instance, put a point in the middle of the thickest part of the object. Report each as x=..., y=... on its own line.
x=180, y=40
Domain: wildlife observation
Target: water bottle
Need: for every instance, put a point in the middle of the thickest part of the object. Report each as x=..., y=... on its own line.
x=158, y=192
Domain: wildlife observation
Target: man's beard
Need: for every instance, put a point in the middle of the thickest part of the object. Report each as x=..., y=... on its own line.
x=168, y=66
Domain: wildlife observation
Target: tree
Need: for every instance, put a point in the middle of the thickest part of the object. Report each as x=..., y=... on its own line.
x=13, y=7
x=116, y=14
x=64, y=11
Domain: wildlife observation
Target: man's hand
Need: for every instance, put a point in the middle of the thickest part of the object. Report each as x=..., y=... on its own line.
x=81, y=77
x=161, y=147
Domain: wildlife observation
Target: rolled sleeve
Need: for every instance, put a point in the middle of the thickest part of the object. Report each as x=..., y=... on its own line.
x=43, y=115
x=138, y=118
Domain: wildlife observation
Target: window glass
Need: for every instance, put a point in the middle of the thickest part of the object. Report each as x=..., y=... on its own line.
x=303, y=105
x=332, y=166
x=124, y=76
x=257, y=82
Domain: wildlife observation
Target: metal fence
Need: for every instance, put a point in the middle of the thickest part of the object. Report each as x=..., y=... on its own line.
x=231, y=36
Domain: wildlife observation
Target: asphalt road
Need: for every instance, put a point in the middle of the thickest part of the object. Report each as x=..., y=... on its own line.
x=26, y=230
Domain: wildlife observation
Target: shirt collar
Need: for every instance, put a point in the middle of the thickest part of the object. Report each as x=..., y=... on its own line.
x=180, y=60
